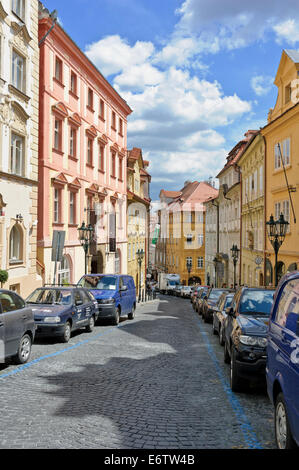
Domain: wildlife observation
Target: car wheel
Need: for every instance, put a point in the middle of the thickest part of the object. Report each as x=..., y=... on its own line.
x=24, y=350
x=236, y=383
x=66, y=332
x=131, y=315
x=90, y=325
x=226, y=355
x=117, y=317
x=283, y=434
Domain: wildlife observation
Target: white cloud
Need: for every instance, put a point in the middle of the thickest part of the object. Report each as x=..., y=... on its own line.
x=231, y=24
x=287, y=31
x=113, y=54
x=262, y=85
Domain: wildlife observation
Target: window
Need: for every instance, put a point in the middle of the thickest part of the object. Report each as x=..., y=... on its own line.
x=120, y=169
x=64, y=272
x=90, y=99
x=287, y=314
x=56, y=206
x=189, y=238
x=113, y=124
x=200, y=217
x=72, y=208
x=288, y=93
x=15, y=249
x=58, y=69
x=200, y=262
x=89, y=152
x=18, y=8
x=17, y=155
x=277, y=157
x=189, y=261
x=73, y=83
x=286, y=151
x=18, y=71
x=57, y=134
x=113, y=168
x=73, y=142
x=200, y=240
x=120, y=126
x=261, y=180
x=102, y=157
x=102, y=109
x=10, y=302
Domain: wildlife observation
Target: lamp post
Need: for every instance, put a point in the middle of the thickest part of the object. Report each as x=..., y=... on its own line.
x=276, y=233
x=215, y=261
x=189, y=268
x=140, y=256
x=85, y=236
x=235, y=255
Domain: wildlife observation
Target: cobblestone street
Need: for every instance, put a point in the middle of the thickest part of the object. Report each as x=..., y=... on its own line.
x=158, y=381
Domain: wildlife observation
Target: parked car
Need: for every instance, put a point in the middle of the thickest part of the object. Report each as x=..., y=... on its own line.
x=177, y=291
x=245, y=333
x=199, y=299
x=58, y=311
x=282, y=370
x=115, y=294
x=17, y=328
x=186, y=291
x=220, y=315
x=194, y=294
x=209, y=303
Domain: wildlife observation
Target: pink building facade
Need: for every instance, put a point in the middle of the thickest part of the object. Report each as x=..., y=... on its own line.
x=82, y=160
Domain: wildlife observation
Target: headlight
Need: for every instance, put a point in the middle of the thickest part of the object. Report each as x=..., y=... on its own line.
x=107, y=301
x=52, y=320
x=254, y=341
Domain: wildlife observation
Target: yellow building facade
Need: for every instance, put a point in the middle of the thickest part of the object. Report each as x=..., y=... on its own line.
x=282, y=165
x=251, y=165
x=138, y=202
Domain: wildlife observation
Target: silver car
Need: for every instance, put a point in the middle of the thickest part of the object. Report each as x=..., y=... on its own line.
x=17, y=328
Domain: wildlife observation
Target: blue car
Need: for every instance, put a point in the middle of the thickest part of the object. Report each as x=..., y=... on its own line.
x=116, y=295
x=282, y=370
x=58, y=311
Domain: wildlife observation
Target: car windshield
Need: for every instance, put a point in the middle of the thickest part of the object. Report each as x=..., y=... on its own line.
x=215, y=294
x=228, y=301
x=99, y=282
x=50, y=297
x=257, y=301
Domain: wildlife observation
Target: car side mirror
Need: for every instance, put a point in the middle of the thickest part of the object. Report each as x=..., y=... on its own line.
x=79, y=302
x=123, y=289
x=230, y=311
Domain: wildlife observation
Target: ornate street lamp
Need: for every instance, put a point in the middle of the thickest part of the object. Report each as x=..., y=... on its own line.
x=140, y=255
x=235, y=255
x=215, y=261
x=85, y=236
x=189, y=269
x=276, y=233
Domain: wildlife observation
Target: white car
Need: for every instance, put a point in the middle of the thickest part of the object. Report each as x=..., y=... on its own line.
x=186, y=291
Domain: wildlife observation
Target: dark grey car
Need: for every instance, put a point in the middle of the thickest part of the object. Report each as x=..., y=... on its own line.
x=17, y=328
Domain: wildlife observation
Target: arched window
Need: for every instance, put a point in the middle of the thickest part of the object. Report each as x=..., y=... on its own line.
x=64, y=272
x=15, y=245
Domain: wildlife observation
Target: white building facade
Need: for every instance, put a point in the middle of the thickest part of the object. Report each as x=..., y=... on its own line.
x=19, y=92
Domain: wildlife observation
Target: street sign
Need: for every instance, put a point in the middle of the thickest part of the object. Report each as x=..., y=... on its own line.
x=58, y=245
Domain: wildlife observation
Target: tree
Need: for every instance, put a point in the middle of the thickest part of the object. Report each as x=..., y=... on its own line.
x=3, y=277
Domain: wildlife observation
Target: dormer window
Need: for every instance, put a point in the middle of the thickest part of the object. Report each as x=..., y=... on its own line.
x=18, y=8
x=288, y=93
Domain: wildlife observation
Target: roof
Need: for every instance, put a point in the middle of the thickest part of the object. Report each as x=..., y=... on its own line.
x=238, y=150
x=194, y=194
x=135, y=153
x=171, y=194
x=293, y=55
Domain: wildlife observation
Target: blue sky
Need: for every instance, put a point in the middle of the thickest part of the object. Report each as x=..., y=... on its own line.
x=197, y=73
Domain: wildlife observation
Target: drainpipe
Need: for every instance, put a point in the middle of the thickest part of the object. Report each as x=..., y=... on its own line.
x=241, y=224
x=265, y=209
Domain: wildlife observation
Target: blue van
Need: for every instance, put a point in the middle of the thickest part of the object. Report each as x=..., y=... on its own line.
x=115, y=294
x=282, y=368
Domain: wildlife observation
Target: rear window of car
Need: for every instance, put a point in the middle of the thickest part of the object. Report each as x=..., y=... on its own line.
x=287, y=313
x=256, y=301
x=99, y=282
x=215, y=294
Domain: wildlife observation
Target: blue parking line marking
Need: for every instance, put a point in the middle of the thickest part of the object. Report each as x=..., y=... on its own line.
x=57, y=353
x=248, y=433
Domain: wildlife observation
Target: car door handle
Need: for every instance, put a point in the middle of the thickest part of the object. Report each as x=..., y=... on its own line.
x=25, y=317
